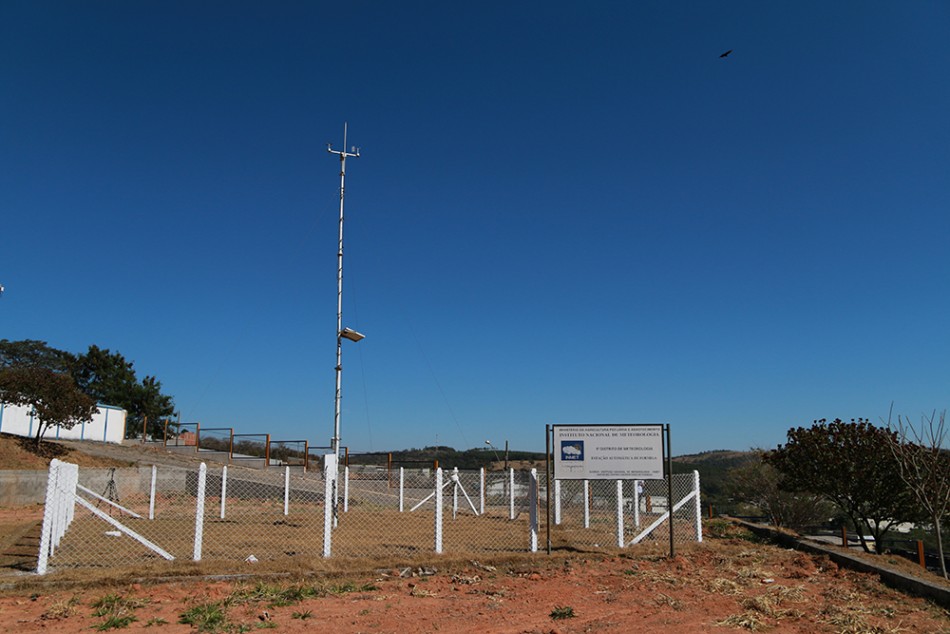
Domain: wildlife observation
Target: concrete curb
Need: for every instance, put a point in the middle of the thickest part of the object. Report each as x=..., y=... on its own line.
x=894, y=578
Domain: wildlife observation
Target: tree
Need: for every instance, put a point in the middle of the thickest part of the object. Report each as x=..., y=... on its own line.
x=52, y=395
x=850, y=464
x=149, y=404
x=757, y=483
x=33, y=354
x=924, y=467
x=107, y=377
x=104, y=376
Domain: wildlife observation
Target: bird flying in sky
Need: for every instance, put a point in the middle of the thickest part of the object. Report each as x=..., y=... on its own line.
x=726, y=54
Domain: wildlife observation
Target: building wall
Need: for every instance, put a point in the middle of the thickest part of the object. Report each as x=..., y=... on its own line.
x=107, y=425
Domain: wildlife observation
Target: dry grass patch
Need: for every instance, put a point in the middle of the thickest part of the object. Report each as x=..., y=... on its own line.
x=669, y=601
x=721, y=585
x=749, y=620
x=62, y=609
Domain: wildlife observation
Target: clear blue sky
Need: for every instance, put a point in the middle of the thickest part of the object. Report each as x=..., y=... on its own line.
x=563, y=212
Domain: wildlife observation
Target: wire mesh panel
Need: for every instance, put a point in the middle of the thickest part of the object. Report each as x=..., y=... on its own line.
x=226, y=513
x=215, y=439
x=251, y=449
x=384, y=517
x=293, y=453
x=396, y=515
x=487, y=517
x=181, y=434
x=379, y=459
x=623, y=513
x=111, y=526
x=267, y=515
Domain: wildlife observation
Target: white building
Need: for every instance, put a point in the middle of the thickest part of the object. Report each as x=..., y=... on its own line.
x=107, y=425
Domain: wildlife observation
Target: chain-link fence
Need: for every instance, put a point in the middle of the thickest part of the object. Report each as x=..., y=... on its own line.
x=622, y=513
x=130, y=517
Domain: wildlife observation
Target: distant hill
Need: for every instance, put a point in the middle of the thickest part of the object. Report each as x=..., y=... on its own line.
x=449, y=458
x=715, y=456
x=713, y=467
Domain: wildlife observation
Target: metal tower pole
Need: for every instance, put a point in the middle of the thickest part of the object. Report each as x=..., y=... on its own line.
x=343, y=154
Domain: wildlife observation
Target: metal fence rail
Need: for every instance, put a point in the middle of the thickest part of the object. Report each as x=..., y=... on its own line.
x=130, y=517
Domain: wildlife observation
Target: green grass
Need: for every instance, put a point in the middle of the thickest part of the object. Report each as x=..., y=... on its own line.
x=564, y=612
x=205, y=617
x=118, y=611
x=349, y=586
x=116, y=622
x=212, y=617
x=274, y=595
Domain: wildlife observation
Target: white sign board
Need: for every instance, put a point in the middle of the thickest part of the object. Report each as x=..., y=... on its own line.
x=608, y=452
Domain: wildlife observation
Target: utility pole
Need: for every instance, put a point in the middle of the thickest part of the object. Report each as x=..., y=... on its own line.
x=340, y=332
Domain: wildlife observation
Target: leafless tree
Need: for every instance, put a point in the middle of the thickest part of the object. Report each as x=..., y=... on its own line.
x=924, y=466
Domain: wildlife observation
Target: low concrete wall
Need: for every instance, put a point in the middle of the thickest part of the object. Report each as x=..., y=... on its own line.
x=186, y=449
x=21, y=488
x=937, y=593
x=206, y=455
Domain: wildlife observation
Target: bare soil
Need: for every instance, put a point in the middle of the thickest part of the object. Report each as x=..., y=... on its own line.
x=729, y=582
x=19, y=453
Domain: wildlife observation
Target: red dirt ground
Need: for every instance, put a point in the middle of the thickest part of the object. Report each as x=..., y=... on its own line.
x=728, y=582
x=722, y=584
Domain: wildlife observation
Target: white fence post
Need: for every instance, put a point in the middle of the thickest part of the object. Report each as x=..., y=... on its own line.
x=620, y=513
x=59, y=508
x=402, y=488
x=455, y=492
x=481, y=491
x=438, y=510
x=637, y=484
x=287, y=490
x=533, y=509
x=346, y=488
x=73, y=471
x=64, y=505
x=224, y=490
x=511, y=494
x=200, y=511
x=586, y=504
x=329, y=474
x=698, y=508
x=49, y=512
x=557, y=502
x=151, y=493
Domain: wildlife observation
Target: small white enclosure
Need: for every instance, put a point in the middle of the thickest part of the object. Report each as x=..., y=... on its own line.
x=107, y=425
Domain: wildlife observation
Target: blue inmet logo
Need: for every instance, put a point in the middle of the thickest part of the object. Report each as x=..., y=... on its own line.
x=572, y=450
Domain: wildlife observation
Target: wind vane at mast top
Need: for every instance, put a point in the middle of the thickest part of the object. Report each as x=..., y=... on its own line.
x=354, y=151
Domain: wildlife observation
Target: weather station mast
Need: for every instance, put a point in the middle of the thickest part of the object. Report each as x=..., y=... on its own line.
x=341, y=332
